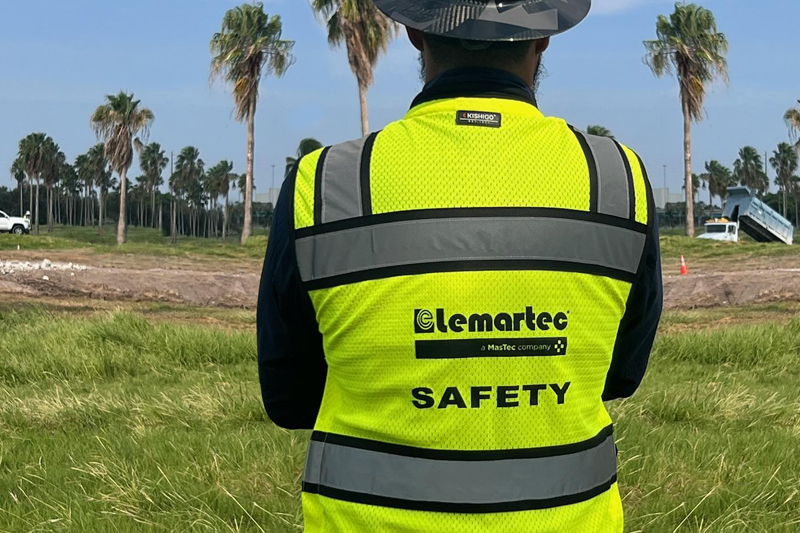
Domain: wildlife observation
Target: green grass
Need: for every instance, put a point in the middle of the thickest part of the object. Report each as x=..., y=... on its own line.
x=119, y=421
x=144, y=241
x=673, y=246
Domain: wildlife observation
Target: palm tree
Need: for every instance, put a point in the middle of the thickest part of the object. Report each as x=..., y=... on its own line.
x=118, y=123
x=241, y=183
x=784, y=161
x=18, y=173
x=366, y=33
x=792, y=118
x=54, y=160
x=689, y=42
x=186, y=181
x=97, y=175
x=32, y=158
x=221, y=177
x=153, y=161
x=600, y=131
x=71, y=187
x=306, y=146
x=248, y=47
x=749, y=170
x=718, y=178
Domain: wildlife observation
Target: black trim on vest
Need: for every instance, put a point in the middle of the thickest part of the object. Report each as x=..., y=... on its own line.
x=468, y=266
x=444, y=507
x=463, y=455
x=594, y=185
x=631, y=185
x=318, y=185
x=366, y=168
x=471, y=212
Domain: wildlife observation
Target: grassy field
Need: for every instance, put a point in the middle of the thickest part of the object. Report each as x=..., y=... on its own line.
x=128, y=421
x=144, y=241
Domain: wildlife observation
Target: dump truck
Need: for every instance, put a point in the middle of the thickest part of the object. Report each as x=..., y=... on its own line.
x=755, y=218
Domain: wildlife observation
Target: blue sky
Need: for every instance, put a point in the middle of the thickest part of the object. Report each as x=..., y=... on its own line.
x=60, y=57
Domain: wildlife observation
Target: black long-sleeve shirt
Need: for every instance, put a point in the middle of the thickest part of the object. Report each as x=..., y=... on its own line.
x=291, y=359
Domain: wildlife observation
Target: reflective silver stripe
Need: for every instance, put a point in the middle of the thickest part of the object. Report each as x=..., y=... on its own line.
x=613, y=196
x=472, y=482
x=341, y=186
x=469, y=239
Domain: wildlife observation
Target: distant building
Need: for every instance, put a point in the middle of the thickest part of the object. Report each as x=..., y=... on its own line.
x=664, y=197
x=270, y=197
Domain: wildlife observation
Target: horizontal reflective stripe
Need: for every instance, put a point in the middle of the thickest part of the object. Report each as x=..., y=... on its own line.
x=404, y=481
x=468, y=240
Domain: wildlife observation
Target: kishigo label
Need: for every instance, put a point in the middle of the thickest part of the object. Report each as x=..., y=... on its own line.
x=479, y=118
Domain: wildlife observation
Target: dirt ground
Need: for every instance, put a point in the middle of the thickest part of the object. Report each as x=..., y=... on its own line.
x=208, y=282
x=234, y=284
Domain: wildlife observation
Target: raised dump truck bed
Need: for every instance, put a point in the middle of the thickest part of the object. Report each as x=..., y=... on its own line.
x=756, y=218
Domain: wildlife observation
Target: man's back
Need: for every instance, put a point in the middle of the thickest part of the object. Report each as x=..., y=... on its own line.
x=469, y=269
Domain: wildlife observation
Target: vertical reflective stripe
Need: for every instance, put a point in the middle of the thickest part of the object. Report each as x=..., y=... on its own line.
x=613, y=194
x=592, y=167
x=341, y=182
x=631, y=188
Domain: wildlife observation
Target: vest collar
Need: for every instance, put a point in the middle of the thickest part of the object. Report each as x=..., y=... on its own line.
x=475, y=83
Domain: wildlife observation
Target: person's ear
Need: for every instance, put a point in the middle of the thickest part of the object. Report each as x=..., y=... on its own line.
x=416, y=38
x=541, y=45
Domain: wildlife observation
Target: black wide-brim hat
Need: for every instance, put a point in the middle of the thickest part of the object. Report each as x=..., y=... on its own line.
x=488, y=20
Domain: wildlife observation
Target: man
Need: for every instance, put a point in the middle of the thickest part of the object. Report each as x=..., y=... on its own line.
x=448, y=302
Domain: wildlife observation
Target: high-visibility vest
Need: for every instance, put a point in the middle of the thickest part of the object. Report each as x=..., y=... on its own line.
x=469, y=271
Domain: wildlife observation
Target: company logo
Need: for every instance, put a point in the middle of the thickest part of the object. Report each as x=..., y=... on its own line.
x=479, y=118
x=423, y=321
x=426, y=321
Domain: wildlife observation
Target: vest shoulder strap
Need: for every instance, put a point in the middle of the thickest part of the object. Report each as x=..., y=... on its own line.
x=620, y=189
x=341, y=181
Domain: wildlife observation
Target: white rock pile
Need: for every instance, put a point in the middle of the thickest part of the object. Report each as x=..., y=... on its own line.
x=10, y=267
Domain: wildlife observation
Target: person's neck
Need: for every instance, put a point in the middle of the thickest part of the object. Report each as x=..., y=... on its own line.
x=522, y=72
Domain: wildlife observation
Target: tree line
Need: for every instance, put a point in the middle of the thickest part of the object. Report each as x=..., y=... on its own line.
x=250, y=47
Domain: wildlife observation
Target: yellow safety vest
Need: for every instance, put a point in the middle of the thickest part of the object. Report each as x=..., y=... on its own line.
x=469, y=267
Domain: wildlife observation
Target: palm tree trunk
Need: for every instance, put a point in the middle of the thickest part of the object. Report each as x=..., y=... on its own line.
x=173, y=228
x=102, y=210
x=687, y=158
x=123, y=197
x=248, y=195
x=784, y=200
x=20, y=199
x=37, y=205
x=362, y=96
x=49, y=209
x=30, y=197
x=225, y=221
x=153, y=206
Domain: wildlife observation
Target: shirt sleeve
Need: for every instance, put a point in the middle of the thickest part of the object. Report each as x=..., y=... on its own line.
x=291, y=361
x=638, y=328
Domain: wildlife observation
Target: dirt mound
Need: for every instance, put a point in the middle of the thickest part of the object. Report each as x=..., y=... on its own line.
x=731, y=288
x=189, y=287
x=78, y=274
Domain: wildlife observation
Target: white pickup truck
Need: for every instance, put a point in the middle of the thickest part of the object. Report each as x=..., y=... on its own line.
x=15, y=225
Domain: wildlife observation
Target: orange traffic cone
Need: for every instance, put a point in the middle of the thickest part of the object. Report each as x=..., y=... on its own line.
x=684, y=268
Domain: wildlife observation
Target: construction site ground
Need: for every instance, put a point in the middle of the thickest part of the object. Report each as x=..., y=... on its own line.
x=748, y=279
